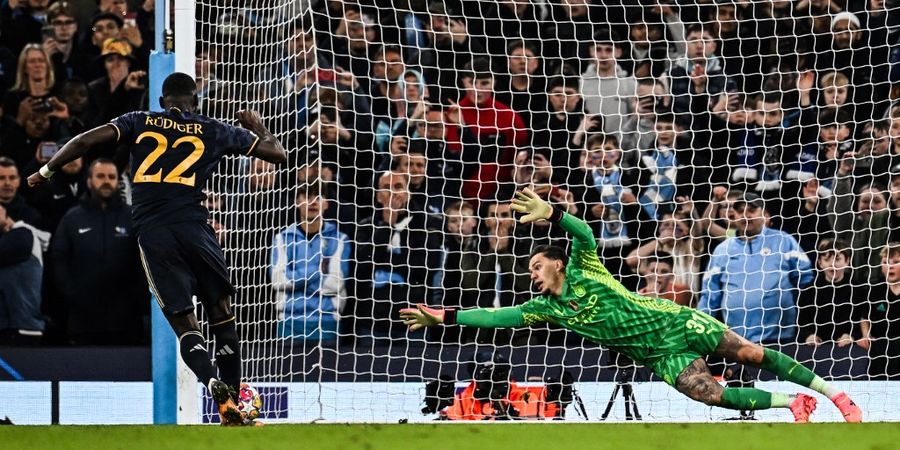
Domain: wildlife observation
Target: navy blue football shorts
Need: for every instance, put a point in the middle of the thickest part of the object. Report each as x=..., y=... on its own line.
x=182, y=260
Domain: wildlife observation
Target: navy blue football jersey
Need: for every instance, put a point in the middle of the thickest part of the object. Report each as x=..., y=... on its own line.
x=173, y=153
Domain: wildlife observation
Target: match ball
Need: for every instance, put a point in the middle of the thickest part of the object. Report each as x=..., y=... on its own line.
x=249, y=401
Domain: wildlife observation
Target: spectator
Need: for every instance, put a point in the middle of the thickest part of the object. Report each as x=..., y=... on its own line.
x=14, y=203
x=69, y=59
x=121, y=82
x=561, y=133
x=606, y=86
x=350, y=47
x=287, y=87
x=850, y=52
x=877, y=157
x=698, y=80
x=826, y=307
x=753, y=278
x=659, y=281
x=35, y=81
x=21, y=322
x=137, y=25
x=488, y=121
x=75, y=95
x=96, y=265
x=639, y=129
x=414, y=164
x=104, y=26
x=444, y=166
x=524, y=90
x=880, y=318
x=609, y=197
x=255, y=213
x=309, y=265
x=835, y=88
x=350, y=162
x=407, y=105
x=770, y=146
x=205, y=67
x=650, y=47
x=24, y=138
x=464, y=282
x=572, y=27
x=397, y=257
x=58, y=195
x=821, y=159
x=446, y=50
x=505, y=21
x=387, y=68
x=861, y=220
x=499, y=255
x=660, y=170
x=894, y=220
x=21, y=22
x=533, y=170
x=675, y=237
x=807, y=218
x=737, y=32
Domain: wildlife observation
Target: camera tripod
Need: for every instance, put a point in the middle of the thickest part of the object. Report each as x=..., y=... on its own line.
x=623, y=385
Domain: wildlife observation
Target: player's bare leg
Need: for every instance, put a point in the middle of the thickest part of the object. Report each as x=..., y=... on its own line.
x=697, y=382
x=737, y=349
x=193, y=351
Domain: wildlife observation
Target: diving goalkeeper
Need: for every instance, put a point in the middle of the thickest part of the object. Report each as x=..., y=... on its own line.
x=578, y=293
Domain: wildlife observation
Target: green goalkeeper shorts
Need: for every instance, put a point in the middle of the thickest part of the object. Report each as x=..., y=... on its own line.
x=693, y=334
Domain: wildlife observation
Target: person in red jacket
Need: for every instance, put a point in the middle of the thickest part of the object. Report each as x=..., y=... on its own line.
x=485, y=120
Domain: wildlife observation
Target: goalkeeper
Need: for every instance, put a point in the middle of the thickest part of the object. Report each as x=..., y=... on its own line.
x=578, y=293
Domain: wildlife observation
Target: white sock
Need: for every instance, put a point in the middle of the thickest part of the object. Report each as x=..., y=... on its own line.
x=823, y=387
x=781, y=400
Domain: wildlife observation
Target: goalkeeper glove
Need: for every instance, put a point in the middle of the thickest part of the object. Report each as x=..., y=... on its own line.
x=421, y=316
x=534, y=208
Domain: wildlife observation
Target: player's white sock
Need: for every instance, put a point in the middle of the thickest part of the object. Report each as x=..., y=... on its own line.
x=823, y=387
x=781, y=400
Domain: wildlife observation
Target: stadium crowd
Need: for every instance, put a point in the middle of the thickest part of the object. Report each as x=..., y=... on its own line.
x=741, y=157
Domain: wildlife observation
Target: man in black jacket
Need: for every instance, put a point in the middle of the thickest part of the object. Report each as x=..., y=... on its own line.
x=397, y=258
x=96, y=265
x=16, y=207
x=20, y=283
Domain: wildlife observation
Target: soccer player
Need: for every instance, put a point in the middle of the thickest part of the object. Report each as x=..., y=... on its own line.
x=579, y=294
x=172, y=154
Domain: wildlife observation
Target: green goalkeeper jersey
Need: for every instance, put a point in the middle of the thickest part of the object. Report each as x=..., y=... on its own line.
x=593, y=304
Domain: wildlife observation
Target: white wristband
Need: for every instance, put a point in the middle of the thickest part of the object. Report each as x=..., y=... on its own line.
x=46, y=172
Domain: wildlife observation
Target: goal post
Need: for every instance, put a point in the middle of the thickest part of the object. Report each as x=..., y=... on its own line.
x=175, y=397
x=649, y=120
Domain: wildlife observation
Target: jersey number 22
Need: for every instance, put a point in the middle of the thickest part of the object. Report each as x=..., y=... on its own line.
x=162, y=144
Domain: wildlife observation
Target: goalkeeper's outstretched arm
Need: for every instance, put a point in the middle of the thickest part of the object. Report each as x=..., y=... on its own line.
x=535, y=208
x=423, y=316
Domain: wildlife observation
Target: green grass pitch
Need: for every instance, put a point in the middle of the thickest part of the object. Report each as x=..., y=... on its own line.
x=545, y=436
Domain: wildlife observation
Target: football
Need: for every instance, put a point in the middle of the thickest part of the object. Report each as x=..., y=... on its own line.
x=249, y=401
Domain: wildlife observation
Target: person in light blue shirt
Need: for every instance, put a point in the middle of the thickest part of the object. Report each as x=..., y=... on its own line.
x=754, y=278
x=310, y=261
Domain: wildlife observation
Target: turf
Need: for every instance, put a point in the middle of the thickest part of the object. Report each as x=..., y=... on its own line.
x=878, y=436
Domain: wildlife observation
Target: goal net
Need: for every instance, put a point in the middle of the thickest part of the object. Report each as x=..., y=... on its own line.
x=736, y=157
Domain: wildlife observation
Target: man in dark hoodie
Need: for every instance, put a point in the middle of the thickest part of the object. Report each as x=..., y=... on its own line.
x=97, y=265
